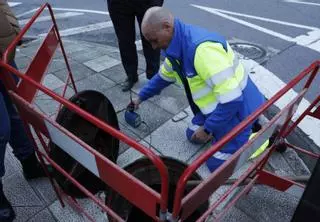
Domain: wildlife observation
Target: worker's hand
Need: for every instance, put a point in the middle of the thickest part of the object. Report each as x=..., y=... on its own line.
x=135, y=103
x=200, y=136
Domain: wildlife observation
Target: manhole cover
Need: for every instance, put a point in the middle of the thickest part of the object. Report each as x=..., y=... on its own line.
x=248, y=50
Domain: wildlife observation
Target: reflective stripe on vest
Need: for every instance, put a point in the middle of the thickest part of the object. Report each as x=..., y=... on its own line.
x=166, y=72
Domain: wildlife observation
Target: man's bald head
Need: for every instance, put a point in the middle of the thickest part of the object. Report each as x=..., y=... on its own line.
x=157, y=26
x=154, y=17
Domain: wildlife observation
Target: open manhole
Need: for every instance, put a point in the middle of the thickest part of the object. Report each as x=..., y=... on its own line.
x=249, y=50
x=145, y=171
x=99, y=106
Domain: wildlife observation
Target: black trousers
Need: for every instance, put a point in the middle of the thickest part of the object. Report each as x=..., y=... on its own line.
x=123, y=14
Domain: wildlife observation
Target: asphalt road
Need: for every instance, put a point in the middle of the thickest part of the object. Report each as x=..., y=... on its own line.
x=287, y=31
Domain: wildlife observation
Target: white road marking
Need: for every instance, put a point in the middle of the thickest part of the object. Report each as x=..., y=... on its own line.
x=301, y=2
x=259, y=28
x=265, y=19
x=13, y=4
x=82, y=10
x=48, y=17
x=269, y=84
x=27, y=12
x=66, y=9
x=82, y=29
x=310, y=40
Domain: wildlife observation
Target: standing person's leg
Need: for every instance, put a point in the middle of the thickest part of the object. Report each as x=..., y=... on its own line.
x=19, y=141
x=6, y=210
x=151, y=55
x=123, y=19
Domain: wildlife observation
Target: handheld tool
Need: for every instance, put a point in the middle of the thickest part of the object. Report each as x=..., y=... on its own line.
x=130, y=116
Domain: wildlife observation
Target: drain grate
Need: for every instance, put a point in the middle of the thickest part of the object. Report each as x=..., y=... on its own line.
x=249, y=50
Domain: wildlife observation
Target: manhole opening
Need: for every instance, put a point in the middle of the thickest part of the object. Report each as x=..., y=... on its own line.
x=138, y=215
x=145, y=171
x=249, y=50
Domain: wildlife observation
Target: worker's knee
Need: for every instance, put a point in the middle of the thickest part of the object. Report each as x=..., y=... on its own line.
x=213, y=163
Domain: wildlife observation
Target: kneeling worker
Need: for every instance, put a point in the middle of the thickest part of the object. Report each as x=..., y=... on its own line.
x=219, y=91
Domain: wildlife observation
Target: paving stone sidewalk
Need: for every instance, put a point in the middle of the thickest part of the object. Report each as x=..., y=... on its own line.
x=98, y=67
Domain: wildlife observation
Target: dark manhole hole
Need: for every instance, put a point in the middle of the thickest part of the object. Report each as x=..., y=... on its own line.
x=248, y=50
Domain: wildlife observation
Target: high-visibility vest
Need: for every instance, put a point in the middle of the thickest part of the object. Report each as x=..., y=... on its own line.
x=219, y=82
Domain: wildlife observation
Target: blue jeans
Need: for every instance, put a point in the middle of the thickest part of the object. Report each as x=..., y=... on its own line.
x=11, y=129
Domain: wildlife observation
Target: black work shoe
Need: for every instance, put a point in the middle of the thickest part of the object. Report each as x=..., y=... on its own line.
x=128, y=84
x=6, y=211
x=32, y=168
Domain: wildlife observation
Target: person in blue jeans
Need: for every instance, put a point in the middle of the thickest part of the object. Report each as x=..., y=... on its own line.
x=12, y=131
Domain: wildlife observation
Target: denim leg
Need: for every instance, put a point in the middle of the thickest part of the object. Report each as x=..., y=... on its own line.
x=4, y=132
x=18, y=140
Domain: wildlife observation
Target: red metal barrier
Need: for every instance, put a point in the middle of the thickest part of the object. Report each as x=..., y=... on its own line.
x=184, y=205
x=143, y=196
x=23, y=95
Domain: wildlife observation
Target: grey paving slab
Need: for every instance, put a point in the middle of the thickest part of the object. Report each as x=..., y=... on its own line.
x=280, y=165
x=68, y=214
x=266, y=204
x=236, y=215
x=115, y=73
x=127, y=131
x=44, y=190
x=52, y=82
x=131, y=155
x=203, y=170
x=185, y=114
x=158, y=117
x=25, y=213
x=79, y=71
x=102, y=63
x=295, y=162
x=142, y=62
x=49, y=106
x=19, y=192
x=22, y=62
x=56, y=65
x=170, y=140
x=44, y=215
x=171, y=99
x=11, y=163
x=71, y=46
x=95, y=82
x=85, y=55
x=119, y=99
x=139, y=85
x=30, y=49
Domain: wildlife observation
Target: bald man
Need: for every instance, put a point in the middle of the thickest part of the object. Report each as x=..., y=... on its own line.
x=219, y=90
x=123, y=14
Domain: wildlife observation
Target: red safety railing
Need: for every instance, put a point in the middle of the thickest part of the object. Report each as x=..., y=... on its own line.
x=119, y=180
x=184, y=205
x=23, y=95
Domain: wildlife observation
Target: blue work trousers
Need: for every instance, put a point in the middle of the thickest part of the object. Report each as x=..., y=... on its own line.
x=231, y=147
